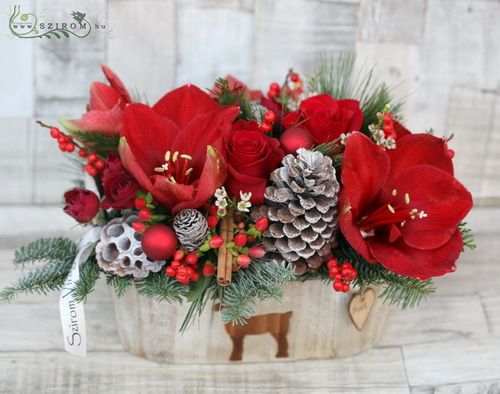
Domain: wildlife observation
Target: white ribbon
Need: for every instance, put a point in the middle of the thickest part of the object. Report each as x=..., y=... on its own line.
x=72, y=312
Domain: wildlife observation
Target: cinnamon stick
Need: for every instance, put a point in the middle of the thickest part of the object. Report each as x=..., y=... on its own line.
x=225, y=258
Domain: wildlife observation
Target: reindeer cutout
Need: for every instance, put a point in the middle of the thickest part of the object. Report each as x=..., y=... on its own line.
x=275, y=324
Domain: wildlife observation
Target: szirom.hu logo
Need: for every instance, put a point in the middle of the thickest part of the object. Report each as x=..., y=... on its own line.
x=29, y=25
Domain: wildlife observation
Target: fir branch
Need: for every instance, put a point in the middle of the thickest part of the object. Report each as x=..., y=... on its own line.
x=467, y=236
x=120, y=284
x=89, y=274
x=162, y=288
x=43, y=280
x=398, y=290
x=46, y=250
x=101, y=143
x=227, y=95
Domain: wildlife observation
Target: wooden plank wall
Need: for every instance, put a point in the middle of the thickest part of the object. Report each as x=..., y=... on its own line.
x=444, y=55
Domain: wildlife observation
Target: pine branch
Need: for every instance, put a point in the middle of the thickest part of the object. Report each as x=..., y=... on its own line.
x=227, y=95
x=398, y=290
x=467, y=236
x=162, y=288
x=101, y=143
x=43, y=280
x=120, y=284
x=89, y=274
x=46, y=250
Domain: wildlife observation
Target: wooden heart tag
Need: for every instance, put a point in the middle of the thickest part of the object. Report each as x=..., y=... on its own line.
x=360, y=307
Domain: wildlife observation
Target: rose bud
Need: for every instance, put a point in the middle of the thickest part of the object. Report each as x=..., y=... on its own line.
x=256, y=252
x=243, y=261
x=81, y=204
x=216, y=242
x=240, y=239
x=262, y=224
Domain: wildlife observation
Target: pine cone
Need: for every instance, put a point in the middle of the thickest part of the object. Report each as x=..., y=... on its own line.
x=301, y=207
x=119, y=251
x=191, y=229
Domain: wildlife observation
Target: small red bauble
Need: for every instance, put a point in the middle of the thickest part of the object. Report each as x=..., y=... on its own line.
x=262, y=224
x=295, y=138
x=159, y=242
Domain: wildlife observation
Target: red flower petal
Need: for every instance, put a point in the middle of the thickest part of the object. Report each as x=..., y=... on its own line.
x=444, y=200
x=116, y=83
x=106, y=122
x=417, y=149
x=422, y=264
x=400, y=130
x=365, y=170
x=356, y=119
x=149, y=135
x=182, y=104
x=103, y=97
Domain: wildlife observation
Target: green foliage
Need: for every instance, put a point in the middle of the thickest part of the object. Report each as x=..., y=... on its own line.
x=120, y=284
x=398, y=290
x=45, y=250
x=89, y=274
x=335, y=77
x=467, y=236
x=227, y=95
x=161, y=287
x=101, y=143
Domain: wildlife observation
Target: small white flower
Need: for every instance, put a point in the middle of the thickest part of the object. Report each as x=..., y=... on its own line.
x=344, y=137
x=221, y=212
x=220, y=193
x=245, y=196
x=243, y=206
x=221, y=203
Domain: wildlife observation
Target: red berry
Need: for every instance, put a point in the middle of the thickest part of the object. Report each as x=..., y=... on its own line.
x=189, y=271
x=182, y=270
x=388, y=128
x=256, y=252
x=139, y=227
x=335, y=271
x=387, y=117
x=140, y=203
x=250, y=239
x=241, y=225
x=62, y=139
x=208, y=270
x=333, y=275
x=345, y=287
x=82, y=153
x=294, y=77
x=265, y=127
x=92, y=158
x=240, y=239
x=347, y=272
x=332, y=263
x=100, y=164
x=90, y=169
x=338, y=277
x=170, y=272
x=347, y=265
x=178, y=255
x=216, y=242
x=184, y=279
x=213, y=210
x=262, y=224
x=62, y=147
x=144, y=214
x=55, y=132
x=274, y=86
x=212, y=221
x=337, y=285
x=272, y=94
x=175, y=264
x=269, y=117
x=191, y=258
x=451, y=153
x=243, y=261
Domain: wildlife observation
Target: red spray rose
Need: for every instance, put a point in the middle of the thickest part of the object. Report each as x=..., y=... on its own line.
x=119, y=186
x=326, y=118
x=81, y=204
x=401, y=207
x=173, y=150
x=251, y=156
x=105, y=108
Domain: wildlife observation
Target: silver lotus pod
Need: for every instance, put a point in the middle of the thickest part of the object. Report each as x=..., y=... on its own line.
x=191, y=229
x=257, y=110
x=301, y=206
x=120, y=252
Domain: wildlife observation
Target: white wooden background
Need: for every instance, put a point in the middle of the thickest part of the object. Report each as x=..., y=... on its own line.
x=443, y=54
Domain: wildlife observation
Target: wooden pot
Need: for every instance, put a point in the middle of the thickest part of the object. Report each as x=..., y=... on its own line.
x=312, y=321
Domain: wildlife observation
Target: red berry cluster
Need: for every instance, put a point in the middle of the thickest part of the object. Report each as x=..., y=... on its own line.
x=65, y=141
x=274, y=90
x=267, y=121
x=388, y=125
x=341, y=274
x=94, y=165
x=184, y=267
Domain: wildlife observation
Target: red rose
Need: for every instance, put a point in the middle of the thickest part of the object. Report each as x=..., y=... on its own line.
x=81, y=204
x=251, y=156
x=119, y=186
x=326, y=118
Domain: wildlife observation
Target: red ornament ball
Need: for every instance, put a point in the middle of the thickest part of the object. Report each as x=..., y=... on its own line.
x=295, y=138
x=159, y=242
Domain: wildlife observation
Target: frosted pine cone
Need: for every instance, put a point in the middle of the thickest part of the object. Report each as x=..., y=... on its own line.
x=302, y=209
x=191, y=229
x=119, y=251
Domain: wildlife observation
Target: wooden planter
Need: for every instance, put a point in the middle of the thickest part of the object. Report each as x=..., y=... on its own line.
x=313, y=321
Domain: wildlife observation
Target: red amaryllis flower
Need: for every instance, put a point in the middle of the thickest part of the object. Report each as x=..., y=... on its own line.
x=105, y=108
x=81, y=204
x=174, y=149
x=401, y=207
x=326, y=118
x=251, y=156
